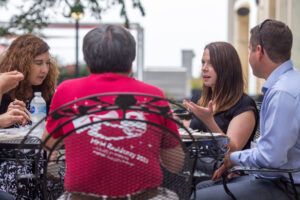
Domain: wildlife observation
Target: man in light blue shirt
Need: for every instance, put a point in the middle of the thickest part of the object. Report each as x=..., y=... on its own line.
x=279, y=143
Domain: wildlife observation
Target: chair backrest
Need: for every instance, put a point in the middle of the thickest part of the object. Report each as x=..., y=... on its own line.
x=118, y=145
x=257, y=133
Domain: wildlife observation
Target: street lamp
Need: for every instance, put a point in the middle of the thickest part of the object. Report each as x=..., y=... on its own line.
x=77, y=13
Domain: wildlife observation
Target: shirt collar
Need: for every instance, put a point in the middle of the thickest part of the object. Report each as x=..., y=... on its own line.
x=274, y=76
x=108, y=75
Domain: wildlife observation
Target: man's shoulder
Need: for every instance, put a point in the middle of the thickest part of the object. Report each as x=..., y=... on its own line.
x=67, y=88
x=289, y=82
x=72, y=83
x=149, y=88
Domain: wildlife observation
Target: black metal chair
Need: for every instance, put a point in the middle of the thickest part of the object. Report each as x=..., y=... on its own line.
x=10, y=158
x=125, y=130
x=290, y=186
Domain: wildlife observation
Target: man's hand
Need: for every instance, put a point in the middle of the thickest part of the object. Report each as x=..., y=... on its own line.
x=9, y=80
x=224, y=167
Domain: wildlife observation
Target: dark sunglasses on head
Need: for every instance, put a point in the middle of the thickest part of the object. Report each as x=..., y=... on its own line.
x=260, y=26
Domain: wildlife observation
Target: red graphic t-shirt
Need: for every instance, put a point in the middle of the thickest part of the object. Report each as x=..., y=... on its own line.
x=104, y=157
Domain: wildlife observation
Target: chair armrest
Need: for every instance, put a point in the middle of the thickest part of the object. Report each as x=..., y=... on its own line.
x=261, y=170
x=254, y=169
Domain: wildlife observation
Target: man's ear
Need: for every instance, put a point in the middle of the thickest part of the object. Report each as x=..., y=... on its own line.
x=259, y=51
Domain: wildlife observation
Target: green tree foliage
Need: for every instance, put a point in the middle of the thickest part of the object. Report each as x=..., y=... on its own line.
x=36, y=13
x=196, y=83
x=68, y=72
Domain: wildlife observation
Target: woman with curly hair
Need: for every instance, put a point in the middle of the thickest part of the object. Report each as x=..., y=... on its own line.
x=29, y=55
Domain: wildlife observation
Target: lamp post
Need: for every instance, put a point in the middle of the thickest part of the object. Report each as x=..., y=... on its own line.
x=77, y=14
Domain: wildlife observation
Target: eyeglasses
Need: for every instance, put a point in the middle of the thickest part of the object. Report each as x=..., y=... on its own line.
x=259, y=33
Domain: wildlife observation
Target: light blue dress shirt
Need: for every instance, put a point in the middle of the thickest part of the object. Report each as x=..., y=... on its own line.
x=279, y=143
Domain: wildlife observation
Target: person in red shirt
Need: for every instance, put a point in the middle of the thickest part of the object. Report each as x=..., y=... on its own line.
x=123, y=162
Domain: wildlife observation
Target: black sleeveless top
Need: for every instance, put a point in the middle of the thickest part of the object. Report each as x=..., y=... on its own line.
x=223, y=118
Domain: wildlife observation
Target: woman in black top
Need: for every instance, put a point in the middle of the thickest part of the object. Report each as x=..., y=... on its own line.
x=224, y=118
x=223, y=107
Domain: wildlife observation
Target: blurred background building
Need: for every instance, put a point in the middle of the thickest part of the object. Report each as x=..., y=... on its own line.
x=175, y=81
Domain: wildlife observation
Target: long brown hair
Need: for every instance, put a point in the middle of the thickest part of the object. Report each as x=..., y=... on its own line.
x=229, y=85
x=19, y=56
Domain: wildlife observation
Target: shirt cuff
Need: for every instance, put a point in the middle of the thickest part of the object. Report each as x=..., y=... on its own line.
x=235, y=157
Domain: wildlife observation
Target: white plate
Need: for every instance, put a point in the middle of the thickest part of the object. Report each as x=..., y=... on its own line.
x=197, y=134
x=13, y=133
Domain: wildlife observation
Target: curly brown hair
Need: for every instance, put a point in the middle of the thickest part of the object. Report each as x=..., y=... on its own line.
x=19, y=56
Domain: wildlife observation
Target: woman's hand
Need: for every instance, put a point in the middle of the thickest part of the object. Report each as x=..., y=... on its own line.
x=9, y=80
x=17, y=104
x=14, y=116
x=203, y=113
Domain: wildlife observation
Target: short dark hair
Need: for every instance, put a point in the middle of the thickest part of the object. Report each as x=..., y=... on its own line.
x=109, y=48
x=275, y=37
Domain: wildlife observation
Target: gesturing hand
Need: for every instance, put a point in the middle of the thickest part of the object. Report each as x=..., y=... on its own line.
x=203, y=113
